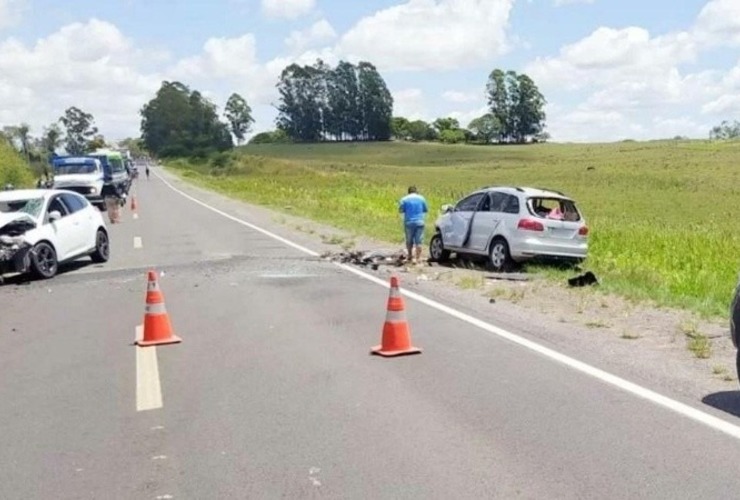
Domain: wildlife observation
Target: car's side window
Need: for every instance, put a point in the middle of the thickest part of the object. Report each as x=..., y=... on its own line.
x=512, y=205
x=469, y=204
x=56, y=205
x=485, y=204
x=498, y=200
x=75, y=203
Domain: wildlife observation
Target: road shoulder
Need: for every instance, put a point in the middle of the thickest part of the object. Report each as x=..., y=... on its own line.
x=634, y=340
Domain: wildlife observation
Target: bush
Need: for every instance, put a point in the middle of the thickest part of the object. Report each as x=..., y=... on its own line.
x=274, y=137
x=13, y=170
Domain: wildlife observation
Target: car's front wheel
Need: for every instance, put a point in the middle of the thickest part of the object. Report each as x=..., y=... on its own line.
x=44, y=262
x=102, y=248
x=437, y=250
x=499, y=258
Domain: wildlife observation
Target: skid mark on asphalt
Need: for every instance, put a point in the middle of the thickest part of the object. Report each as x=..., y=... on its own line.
x=148, y=386
x=679, y=408
x=138, y=243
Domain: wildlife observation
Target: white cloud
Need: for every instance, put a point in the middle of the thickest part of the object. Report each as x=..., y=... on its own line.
x=465, y=117
x=724, y=105
x=430, y=35
x=719, y=22
x=83, y=65
x=11, y=12
x=629, y=77
x=410, y=104
x=461, y=97
x=287, y=9
x=608, y=53
x=319, y=32
x=221, y=58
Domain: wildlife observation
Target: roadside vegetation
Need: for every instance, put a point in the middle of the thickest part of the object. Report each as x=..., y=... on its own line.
x=662, y=214
x=13, y=168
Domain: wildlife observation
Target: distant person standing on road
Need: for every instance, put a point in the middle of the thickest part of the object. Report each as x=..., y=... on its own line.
x=413, y=206
x=147, y=172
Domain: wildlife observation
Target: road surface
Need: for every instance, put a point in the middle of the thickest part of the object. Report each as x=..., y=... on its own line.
x=272, y=393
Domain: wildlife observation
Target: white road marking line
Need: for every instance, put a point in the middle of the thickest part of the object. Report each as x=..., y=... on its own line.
x=685, y=410
x=138, y=243
x=148, y=387
x=136, y=216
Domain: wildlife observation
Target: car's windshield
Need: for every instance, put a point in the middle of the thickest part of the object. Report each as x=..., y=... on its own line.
x=75, y=168
x=117, y=165
x=554, y=208
x=30, y=206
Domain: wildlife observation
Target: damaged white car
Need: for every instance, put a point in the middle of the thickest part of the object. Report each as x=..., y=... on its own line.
x=42, y=228
x=510, y=225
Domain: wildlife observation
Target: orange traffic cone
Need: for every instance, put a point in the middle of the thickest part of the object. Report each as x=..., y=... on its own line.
x=396, y=335
x=133, y=202
x=157, y=327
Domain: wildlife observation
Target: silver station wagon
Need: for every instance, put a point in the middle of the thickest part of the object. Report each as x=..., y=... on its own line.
x=510, y=225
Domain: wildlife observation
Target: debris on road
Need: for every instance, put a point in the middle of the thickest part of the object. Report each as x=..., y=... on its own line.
x=509, y=277
x=367, y=259
x=585, y=279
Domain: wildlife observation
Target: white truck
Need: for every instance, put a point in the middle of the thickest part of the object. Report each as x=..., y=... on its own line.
x=83, y=175
x=91, y=176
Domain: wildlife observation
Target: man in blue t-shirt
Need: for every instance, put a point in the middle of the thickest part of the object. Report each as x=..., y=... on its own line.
x=413, y=206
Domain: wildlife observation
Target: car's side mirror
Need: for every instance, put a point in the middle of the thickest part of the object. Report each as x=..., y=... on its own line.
x=54, y=216
x=447, y=209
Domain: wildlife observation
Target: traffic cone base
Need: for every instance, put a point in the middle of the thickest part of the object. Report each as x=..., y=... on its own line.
x=396, y=340
x=378, y=351
x=172, y=339
x=157, y=326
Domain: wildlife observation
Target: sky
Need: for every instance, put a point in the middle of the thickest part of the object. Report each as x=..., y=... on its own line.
x=609, y=69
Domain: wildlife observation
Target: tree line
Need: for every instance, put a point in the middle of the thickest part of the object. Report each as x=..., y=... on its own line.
x=74, y=132
x=181, y=122
x=317, y=103
x=321, y=103
x=725, y=131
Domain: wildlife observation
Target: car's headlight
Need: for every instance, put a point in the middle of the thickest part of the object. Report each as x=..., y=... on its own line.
x=93, y=190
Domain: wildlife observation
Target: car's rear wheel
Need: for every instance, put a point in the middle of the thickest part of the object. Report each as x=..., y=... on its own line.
x=44, y=262
x=437, y=250
x=499, y=258
x=102, y=248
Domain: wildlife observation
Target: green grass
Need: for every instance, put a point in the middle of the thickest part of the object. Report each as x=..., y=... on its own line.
x=13, y=170
x=663, y=218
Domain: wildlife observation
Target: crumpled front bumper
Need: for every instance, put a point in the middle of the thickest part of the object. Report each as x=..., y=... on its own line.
x=15, y=254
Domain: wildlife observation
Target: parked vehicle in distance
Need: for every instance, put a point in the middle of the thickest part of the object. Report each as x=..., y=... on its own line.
x=42, y=228
x=83, y=175
x=509, y=225
x=117, y=178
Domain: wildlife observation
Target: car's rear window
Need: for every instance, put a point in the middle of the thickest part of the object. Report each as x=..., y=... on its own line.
x=553, y=208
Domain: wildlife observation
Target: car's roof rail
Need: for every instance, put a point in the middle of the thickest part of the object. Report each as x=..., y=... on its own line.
x=500, y=186
x=552, y=191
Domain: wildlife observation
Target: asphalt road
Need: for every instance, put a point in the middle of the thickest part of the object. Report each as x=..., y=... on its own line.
x=272, y=393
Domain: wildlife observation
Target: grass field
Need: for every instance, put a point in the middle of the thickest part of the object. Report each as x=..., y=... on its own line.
x=663, y=218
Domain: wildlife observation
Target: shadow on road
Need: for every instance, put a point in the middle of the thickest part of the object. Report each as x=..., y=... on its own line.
x=27, y=279
x=726, y=401
x=531, y=267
